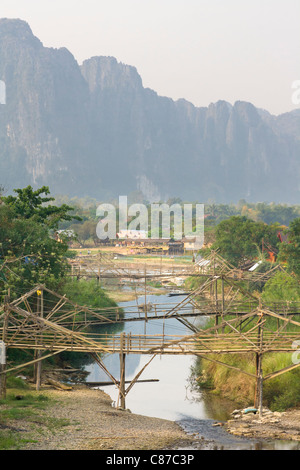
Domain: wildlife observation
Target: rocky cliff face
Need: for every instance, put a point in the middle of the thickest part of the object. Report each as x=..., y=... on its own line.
x=43, y=124
x=95, y=130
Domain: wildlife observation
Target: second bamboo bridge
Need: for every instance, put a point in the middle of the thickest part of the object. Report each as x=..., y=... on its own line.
x=47, y=324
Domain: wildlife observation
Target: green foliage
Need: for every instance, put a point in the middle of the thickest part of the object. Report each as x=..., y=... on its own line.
x=288, y=398
x=272, y=213
x=25, y=407
x=281, y=392
x=192, y=283
x=224, y=381
x=281, y=287
x=88, y=293
x=29, y=253
x=85, y=231
x=290, y=250
x=16, y=382
x=263, y=213
x=258, y=286
x=29, y=204
x=238, y=238
x=10, y=440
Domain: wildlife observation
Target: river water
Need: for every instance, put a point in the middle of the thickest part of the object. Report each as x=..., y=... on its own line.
x=172, y=397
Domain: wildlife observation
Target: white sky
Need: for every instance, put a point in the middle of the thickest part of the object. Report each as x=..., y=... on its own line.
x=200, y=50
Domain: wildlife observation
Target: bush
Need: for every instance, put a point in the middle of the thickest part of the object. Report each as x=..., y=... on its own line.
x=87, y=293
x=16, y=382
x=281, y=287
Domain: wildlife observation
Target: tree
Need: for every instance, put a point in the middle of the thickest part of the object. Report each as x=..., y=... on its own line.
x=290, y=250
x=30, y=204
x=238, y=238
x=85, y=231
x=281, y=287
x=29, y=254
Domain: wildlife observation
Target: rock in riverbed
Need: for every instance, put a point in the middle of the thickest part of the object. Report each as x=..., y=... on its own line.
x=270, y=425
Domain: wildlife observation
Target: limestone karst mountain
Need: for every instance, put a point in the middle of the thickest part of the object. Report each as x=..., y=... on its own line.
x=93, y=129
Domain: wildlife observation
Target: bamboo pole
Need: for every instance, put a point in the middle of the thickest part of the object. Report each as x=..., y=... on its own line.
x=3, y=371
x=146, y=310
x=135, y=379
x=22, y=366
x=259, y=373
x=25, y=331
x=122, y=391
x=4, y=334
x=40, y=313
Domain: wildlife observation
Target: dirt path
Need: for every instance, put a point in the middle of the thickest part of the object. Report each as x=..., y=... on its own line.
x=95, y=425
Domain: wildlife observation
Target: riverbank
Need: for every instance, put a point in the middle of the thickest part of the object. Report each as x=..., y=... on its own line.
x=84, y=419
x=284, y=426
x=93, y=424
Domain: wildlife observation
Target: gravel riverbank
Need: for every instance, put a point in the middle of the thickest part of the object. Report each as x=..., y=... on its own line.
x=84, y=419
x=283, y=426
x=93, y=424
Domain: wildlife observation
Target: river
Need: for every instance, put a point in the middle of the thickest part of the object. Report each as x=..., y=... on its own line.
x=172, y=397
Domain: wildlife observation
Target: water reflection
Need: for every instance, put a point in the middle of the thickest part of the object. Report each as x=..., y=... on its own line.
x=172, y=397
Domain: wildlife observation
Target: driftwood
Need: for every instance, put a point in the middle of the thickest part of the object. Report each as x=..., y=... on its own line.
x=72, y=371
x=58, y=385
x=98, y=384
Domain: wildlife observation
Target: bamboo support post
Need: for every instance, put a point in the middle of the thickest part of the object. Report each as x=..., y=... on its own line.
x=223, y=297
x=259, y=376
x=122, y=391
x=38, y=365
x=3, y=349
x=2, y=370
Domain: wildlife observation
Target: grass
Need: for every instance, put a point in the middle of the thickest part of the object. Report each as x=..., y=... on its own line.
x=280, y=393
x=121, y=296
x=125, y=257
x=9, y=440
x=23, y=408
x=228, y=383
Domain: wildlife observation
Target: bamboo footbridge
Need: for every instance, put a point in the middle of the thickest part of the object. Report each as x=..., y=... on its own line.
x=46, y=323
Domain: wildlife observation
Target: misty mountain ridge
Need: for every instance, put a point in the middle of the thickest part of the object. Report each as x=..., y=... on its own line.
x=94, y=130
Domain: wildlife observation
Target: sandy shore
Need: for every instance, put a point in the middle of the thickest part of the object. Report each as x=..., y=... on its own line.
x=93, y=424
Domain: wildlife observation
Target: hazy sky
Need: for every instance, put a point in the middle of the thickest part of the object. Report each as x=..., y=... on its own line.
x=200, y=50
